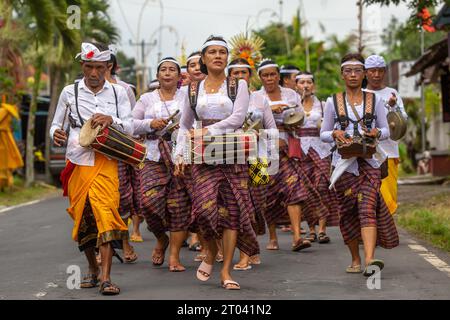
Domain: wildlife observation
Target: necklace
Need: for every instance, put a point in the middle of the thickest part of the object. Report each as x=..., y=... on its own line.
x=355, y=100
x=163, y=101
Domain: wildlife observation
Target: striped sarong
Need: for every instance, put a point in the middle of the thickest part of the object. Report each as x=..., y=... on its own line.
x=129, y=186
x=258, y=195
x=222, y=201
x=318, y=172
x=363, y=206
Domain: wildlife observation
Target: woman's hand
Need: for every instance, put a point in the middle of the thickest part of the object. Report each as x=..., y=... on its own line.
x=158, y=124
x=279, y=108
x=341, y=136
x=179, y=166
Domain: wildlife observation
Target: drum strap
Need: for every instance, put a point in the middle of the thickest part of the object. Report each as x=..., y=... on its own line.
x=340, y=108
x=76, y=102
x=232, y=90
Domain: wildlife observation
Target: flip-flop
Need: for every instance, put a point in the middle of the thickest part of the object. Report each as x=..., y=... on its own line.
x=353, y=269
x=230, y=285
x=272, y=245
x=134, y=238
x=200, y=257
x=374, y=262
x=323, y=238
x=204, y=271
x=195, y=247
x=89, y=281
x=312, y=237
x=239, y=268
x=254, y=260
x=162, y=253
x=300, y=245
x=219, y=257
x=177, y=268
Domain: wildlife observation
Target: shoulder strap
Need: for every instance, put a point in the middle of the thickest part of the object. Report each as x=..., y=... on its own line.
x=341, y=109
x=321, y=107
x=117, y=104
x=232, y=88
x=369, y=106
x=193, y=96
x=76, y=102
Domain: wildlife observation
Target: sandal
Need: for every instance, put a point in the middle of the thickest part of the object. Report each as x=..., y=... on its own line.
x=130, y=257
x=374, y=262
x=323, y=238
x=219, y=257
x=177, y=268
x=204, y=271
x=300, y=245
x=272, y=245
x=200, y=257
x=89, y=281
x=109, y=289
x=242, y=268
x=353, y=269
x=135, y=238
x=195, y=247
x=286, y=229
x=254, y=260
x=230, y=285
x=158, y=255
x=312, y=237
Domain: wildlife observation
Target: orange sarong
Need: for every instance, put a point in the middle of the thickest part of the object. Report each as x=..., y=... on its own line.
x=101, y=184
x=389, y=185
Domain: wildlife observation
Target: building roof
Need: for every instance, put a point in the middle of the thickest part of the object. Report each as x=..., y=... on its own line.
x=443, y=18
x=436, y=54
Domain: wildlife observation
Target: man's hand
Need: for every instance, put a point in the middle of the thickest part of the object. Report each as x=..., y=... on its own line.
x=279, y=108
x=59, y=137
x=341, y=136
x=101, y=120
x=392, y=100
x=158, y=124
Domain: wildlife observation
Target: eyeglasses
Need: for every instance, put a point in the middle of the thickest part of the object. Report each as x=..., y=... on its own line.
x=348, y=71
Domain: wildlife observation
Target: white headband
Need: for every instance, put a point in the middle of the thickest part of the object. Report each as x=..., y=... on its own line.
x=193, y=57
x=352, y=62
x=215, y=43
x=304, y=77
x=272, y=65
x=169, y=60
x=231, y=66
x=89, y=52
x=293, y=71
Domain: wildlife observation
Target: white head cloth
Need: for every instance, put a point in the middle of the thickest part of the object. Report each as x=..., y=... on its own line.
x=169, y=60
x=292, y=71
x=231, y=66
x=304, y=77
x=352, y=63
x=113, y=49
x=193, y=57
x=215, y=43
x=271, y=65
x=89, y=52
x=183, y=69
x=375, y=61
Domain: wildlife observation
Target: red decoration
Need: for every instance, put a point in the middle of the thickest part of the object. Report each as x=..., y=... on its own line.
x=90, y=54
x=427, y=22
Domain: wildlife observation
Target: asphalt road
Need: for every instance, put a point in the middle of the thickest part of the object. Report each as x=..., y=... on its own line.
x=36, y=250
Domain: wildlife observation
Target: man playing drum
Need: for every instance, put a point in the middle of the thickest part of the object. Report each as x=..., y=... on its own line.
x=90, y=179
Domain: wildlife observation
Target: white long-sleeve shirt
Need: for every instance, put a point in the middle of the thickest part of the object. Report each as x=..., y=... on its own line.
x=389, y=145
x=330, y=123
x=89, y=103
x=214, y=106
x=312, y=120
x=150, y=107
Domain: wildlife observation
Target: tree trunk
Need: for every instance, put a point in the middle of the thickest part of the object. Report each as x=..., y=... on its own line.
x=55, y=80
x=29, y=173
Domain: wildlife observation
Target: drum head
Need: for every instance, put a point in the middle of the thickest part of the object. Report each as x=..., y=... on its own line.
x=397, y=125
x=87, y=134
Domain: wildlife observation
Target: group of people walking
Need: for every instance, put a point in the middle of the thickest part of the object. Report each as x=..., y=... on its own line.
x=219, y=206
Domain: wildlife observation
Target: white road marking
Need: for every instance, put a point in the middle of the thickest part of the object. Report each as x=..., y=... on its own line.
x=431, y=258
x=20, y=206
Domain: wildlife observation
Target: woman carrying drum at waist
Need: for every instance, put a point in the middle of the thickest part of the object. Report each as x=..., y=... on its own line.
x=165, y=201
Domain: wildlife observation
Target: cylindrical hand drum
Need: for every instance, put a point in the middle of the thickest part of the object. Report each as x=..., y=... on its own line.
x=113, y=143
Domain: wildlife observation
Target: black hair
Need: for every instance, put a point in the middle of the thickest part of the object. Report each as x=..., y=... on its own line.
x=287, y=75
x=101, y=46
x=169, y=58
x=115, y=65
x=203, y=68
x=240, y=61
x=307, y=74
x=266, y=62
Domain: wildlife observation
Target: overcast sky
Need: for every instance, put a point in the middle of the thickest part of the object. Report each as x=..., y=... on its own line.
x=195, y=20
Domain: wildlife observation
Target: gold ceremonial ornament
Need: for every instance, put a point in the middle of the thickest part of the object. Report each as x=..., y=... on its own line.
x=397, y=124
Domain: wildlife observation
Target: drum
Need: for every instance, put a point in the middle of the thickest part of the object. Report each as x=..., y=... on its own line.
x=397, y=125
x=230, y=148
x=362, y=147
x=113, y=143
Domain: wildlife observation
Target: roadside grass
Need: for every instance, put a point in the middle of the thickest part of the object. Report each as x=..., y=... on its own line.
x=19, y=194
x=429, y=220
